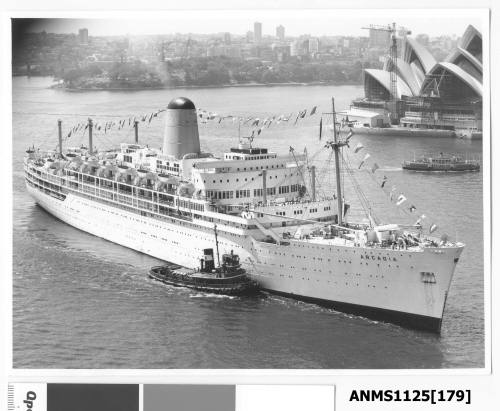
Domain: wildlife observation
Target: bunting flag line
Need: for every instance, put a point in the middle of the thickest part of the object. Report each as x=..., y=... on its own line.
x=320, y=128
x=383, y=182
x=412, y=208
x=375, y=167
x=432, y=228
x=391, y=195
x=367, y=156
x=349, y=135
x=313, y=110
x=358, y=147
x=297, y=119
x=401, y=199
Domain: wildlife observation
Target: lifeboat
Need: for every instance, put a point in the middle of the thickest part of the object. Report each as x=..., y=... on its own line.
x=54, y=166
x=83, y=167
x=75, y=161
x=100, y=171
x=163, y=177
x=93, y=166
x=72, y=156
x=110, y=171
x=150, y=179
x=120, y=175
x=137, y=180
x=129, y=175
x=186, y=190
x=159, y=185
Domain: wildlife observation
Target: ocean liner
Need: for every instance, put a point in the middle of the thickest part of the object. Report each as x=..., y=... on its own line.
x=165, y=203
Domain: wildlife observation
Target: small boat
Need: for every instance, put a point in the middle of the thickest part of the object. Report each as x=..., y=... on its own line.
x=229, y=278
x=441, y=162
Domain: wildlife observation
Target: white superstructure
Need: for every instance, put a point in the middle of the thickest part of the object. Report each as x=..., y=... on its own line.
x=165, y=203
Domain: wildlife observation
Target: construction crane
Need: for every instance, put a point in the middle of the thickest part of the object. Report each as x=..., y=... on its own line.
x=393, y=55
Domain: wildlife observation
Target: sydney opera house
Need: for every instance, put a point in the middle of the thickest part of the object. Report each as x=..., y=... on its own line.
x=430, y=95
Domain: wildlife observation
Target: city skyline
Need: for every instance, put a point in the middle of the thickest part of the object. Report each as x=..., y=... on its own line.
x=325, y=23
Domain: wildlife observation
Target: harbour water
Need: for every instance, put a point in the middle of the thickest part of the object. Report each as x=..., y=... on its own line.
x=88, y=303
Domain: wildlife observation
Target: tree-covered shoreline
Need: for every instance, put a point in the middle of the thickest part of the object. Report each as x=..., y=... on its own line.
x=209, y=72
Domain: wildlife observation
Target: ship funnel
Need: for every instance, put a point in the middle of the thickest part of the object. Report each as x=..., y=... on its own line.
x=181, y=129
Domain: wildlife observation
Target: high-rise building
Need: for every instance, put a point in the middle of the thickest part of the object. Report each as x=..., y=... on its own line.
x=257, y=32
x=249, y=36
x=280, y=33
x=227, y=38
x=83, y=36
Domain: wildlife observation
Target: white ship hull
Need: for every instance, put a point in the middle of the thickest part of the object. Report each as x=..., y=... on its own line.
x=404, y=287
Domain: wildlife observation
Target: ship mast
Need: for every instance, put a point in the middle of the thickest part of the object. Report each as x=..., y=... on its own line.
x=217, y=244
x=336, y=145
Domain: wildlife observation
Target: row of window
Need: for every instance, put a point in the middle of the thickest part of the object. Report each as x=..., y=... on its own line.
x=261, y=167
x=242, y=193
x=257, y=192
x=284, y=189
x=163, y=168
x=189, y=204
x=253, y=179
x=220, y=195
x=237, y=157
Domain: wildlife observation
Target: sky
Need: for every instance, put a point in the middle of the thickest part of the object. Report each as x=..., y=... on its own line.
x=327, y=22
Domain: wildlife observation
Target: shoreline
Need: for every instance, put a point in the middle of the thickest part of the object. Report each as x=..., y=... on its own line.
x=242, y=85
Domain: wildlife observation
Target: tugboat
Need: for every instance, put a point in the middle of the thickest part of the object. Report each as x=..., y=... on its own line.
x=441, y=162
x=228, y=279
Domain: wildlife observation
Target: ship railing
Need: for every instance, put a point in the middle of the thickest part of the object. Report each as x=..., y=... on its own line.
x=300, y=201
x=135, y=204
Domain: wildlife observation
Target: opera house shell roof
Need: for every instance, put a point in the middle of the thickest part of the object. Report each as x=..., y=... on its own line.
x=459, y=77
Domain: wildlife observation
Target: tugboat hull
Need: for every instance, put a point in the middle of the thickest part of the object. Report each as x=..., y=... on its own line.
x=234, y=285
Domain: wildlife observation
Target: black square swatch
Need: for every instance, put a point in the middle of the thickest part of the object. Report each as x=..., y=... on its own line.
x=93, y=397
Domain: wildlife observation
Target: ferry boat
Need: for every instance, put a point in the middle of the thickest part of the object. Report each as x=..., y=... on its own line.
x=441, y=162
x=228, y=278
x=291, y=241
